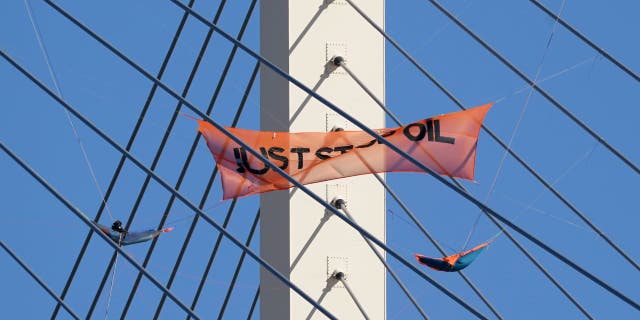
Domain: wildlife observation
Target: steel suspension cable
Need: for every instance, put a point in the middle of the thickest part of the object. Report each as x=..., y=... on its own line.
x=547, y=185
x=120, y=165
x=341, y=277
x=432, y=239
x=341, y=205
x=113, y=280
x=90, y=223
x=214, y=251
x=473, y=287
x=35, y=277
x=147, y=180
x=241, y=143
x=253, y=304
x=304, y=189
x=566, y=112
x=164, y=184
x=236, y=273
x=586, y=40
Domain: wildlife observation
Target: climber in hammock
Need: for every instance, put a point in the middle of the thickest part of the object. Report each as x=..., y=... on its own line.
x=123, y=237
x=454, y=262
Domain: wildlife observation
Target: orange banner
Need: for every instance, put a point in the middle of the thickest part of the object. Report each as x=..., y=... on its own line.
x=445, y=143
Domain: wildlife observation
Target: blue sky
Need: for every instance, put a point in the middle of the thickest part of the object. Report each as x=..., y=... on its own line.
x=110, y=93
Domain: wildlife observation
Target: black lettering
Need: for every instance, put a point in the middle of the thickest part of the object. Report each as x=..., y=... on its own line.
x=387, y=134
x=440, y=138
x=245, y=161
x=370, y=143
x=367, y=145
x=320, y=153
x=300, y=151
x=236, y=154
x=343, y=149
x=409, y=134
x=273, y=154
x=430, y=129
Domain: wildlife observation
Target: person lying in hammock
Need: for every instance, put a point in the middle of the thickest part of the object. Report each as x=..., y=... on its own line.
x=452, y=263
x=123, y=237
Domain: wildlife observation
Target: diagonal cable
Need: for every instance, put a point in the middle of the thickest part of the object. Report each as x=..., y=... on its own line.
x=304, y=189
x=120, y=165
x=253, y=304
x=38, y=280
x=56, y=85
x=264, y=264
x=91, y=224
x=236, y=273
x=586, y=40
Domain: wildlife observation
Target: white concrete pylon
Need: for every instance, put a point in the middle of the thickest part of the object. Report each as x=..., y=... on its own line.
x=298, y=236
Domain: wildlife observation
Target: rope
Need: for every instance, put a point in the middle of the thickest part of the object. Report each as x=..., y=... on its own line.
x=123, y=158
x=529, y=206
x=253, y=304
x=466, y=6
x=45, y=55
x=35, y=277
x=586, y=40
x=547, y=78
x=516, y=128
x=343, y=206
x=113, y=279
x=79, y=213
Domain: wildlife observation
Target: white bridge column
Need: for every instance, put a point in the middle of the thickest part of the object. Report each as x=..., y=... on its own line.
x=298, y=237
